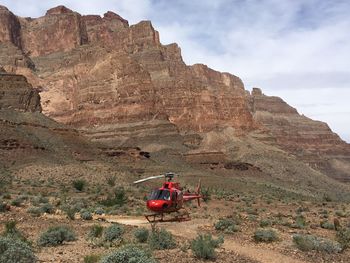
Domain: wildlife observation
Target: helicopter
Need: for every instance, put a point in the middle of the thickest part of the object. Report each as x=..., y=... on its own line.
x=169, y=198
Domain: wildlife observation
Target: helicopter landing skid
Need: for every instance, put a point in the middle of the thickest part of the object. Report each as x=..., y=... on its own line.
x=161, y=218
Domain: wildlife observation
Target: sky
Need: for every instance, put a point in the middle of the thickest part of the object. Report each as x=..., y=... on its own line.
x=295, y=49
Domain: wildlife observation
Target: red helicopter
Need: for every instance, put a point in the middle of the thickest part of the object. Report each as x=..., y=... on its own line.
x=169, y=199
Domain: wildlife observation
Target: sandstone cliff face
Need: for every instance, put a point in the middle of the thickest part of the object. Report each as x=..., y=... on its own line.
x=311, y=141
x=59, y=30
x=16, y=93
x=116, y=82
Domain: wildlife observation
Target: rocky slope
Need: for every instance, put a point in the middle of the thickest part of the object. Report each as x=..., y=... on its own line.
x=120, y=85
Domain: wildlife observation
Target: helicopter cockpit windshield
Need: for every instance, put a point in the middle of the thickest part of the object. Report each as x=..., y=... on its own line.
x=158, y=194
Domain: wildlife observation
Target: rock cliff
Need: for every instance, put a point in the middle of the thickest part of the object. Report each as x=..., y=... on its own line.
x=117, y=83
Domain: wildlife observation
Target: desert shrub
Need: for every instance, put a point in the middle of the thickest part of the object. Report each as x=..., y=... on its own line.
x=327, y=225
x=96, y=231
x=141, y=234
x=17, y=202
x=114, y=232
x=14, y=250
x=55, y=236
x=92, y=258
x=38, y=200
x=265, y=223
x=300, y=222
x=206, y=194
x=99, y=211
x=34, y=211
x=3, y=207
x=118, y=198
x=226, y=225
x=86, y=215
x=265, y=235
x=129, y=254
x=161, y=239
x=343, y=237
x=203, y=247
x=70, y=211
x=47, y=208
x=310, y=242
x=12, y=232
x=79, y=184
x=111, y=180
x=341, y=213
x=5, y=179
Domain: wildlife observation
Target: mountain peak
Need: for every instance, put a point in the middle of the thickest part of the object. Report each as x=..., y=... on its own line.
x=61, y=9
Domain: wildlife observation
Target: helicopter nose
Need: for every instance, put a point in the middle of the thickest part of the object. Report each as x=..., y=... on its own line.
x=157, y=205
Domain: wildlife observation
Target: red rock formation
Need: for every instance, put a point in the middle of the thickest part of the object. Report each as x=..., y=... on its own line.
x=10, y=30
x=16, y=93
x=102, y=75
x=59, y=30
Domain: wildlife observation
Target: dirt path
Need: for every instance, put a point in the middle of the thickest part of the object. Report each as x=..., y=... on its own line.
x=191, y=228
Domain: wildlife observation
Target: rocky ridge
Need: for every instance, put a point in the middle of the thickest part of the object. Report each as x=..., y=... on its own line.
x=110, y=79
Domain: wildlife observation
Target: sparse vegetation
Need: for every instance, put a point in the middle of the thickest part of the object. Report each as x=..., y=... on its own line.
x=14, y=250
x=92, y=258
x=113, y=233
x=79, y=184
x=327, y=225
x=310, y=242
x=118, y=198
x=12, y=232
x=55, y=236
x=343, y=237
x=86, y=215
x=160, y=239
x=96, y=231
x=203, y=247
x=265, y=235
x=129, y=254
x=141, y=234
x=226, y=225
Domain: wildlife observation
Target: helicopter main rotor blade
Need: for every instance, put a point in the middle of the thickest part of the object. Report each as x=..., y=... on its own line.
x=149, y=178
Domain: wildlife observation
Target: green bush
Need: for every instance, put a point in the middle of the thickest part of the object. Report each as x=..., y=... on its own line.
x=47, y=208
x=118, y=198
x=11, y=231
x=14, y=250
x=226, y=225
x=114, y=232
x=265, y=235
x=92, y=258
x=310, y=242
x=129, y=254
x=141, y=234
x=17, y=202
x=111, y=180
x=327, y=225
x=203, y=247
x=3, y=207
x=79, y=184
x=161, y=239
x=55, y=236
x=343, y=237
x=265, y=223
x=35, y=211
x=86, y=215
x=300, y=222
x=96, y=231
